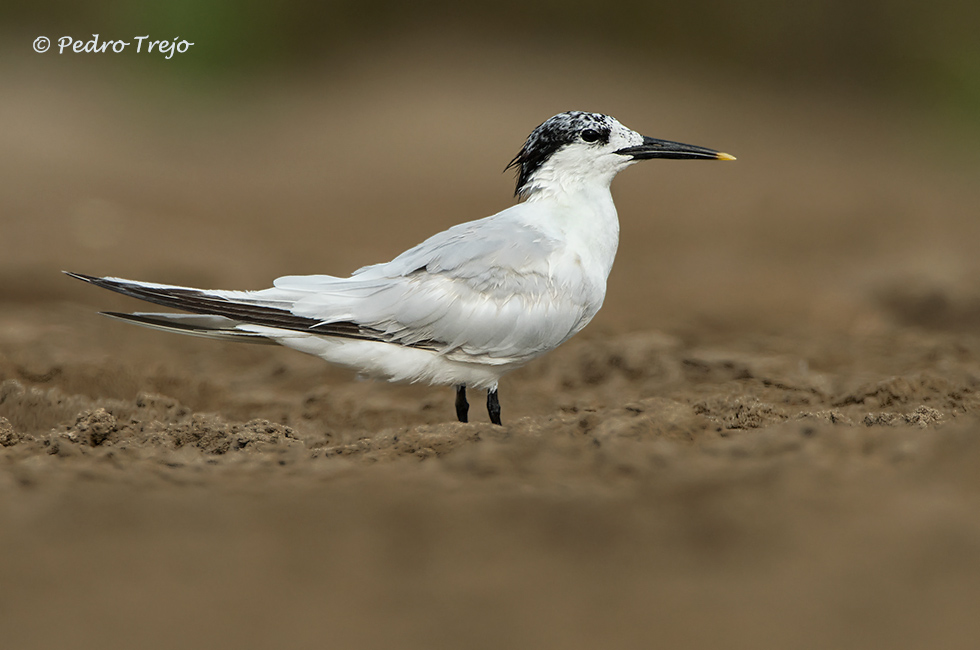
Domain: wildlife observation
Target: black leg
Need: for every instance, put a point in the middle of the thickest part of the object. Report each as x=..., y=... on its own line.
x=493, y=406
x=462, y=406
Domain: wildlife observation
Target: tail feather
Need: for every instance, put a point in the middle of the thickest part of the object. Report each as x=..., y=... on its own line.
x=211, y=327
x=220, y=304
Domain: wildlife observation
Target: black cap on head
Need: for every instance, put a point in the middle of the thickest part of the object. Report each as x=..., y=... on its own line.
x=553, y=134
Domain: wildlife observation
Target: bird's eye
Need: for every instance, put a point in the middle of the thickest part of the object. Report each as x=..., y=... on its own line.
x=589, y=135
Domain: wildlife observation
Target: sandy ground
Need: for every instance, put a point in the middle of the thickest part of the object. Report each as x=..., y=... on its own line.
x=767, y=438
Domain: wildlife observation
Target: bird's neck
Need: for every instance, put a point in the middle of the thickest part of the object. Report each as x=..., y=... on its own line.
x=587, y=197
x=568, y=177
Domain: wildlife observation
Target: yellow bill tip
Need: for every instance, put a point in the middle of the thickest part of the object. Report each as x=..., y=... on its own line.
x=725, y=156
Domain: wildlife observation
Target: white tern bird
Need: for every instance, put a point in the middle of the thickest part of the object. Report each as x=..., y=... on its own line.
x=466, y=305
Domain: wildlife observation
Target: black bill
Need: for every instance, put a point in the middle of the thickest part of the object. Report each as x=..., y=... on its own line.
x=654, y=148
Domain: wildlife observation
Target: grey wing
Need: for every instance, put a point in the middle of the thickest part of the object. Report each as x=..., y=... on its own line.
x=493, y=289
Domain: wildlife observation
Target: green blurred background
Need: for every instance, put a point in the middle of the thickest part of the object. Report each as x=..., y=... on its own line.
x=925, y=53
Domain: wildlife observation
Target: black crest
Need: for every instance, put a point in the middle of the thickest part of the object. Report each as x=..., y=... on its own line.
x=553, y=134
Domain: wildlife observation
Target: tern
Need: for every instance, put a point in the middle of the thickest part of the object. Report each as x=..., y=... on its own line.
x=465, y=306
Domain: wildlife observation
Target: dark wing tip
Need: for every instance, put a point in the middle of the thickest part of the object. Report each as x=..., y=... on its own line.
x=81, y=276
x=117, y=314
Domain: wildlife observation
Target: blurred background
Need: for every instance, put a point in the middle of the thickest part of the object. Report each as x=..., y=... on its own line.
x=925, y=54
x=318, y=137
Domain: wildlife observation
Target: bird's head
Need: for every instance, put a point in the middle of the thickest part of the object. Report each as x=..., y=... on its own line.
x=577, y=148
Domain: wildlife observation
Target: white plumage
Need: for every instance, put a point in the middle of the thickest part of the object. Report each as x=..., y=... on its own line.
x=466, y=305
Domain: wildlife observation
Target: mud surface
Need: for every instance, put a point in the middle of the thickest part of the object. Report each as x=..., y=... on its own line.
x=768, y=438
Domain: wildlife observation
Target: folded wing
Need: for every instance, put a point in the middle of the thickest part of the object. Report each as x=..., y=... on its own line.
x=481, y=291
